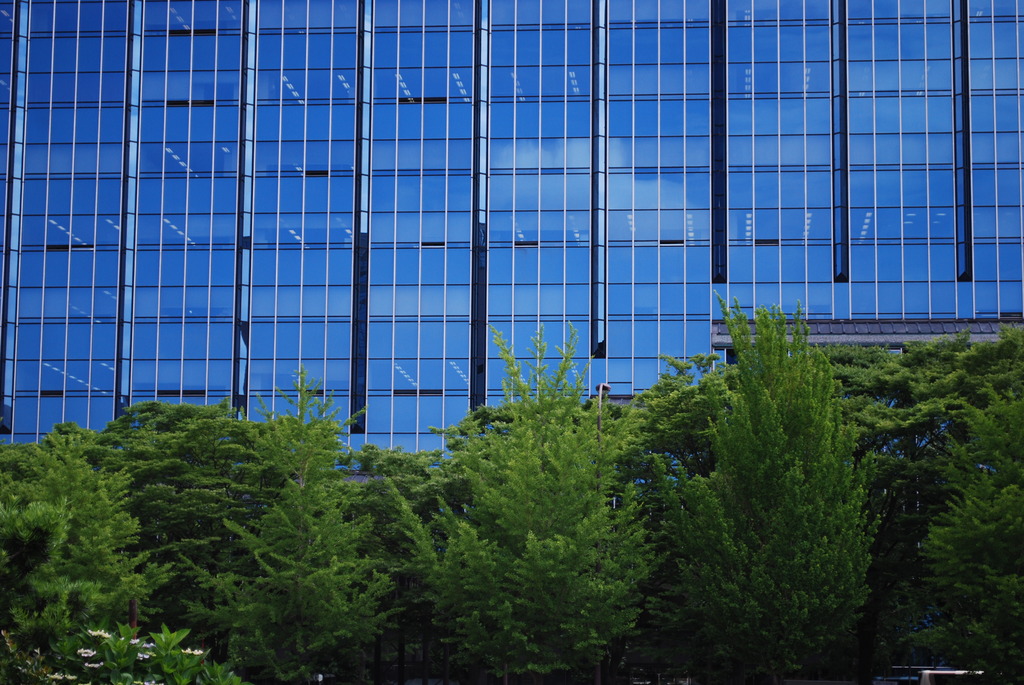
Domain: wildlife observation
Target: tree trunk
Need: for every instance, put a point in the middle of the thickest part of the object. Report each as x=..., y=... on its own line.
x=867, y=637
x=377, y=675
x=737, y=676
x=612, y=659
x=425, y=675
x=478, y=675
x=401, y=658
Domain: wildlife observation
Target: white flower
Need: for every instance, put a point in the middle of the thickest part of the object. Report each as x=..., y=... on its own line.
x=193, y=652
x=99, y=633
x=87, y=653
x=134, y=641
x=142, y=656
x=88, y=665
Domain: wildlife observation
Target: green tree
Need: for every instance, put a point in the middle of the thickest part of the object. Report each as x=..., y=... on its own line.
x=976, y=550
x=901, y=409
x=675, y=443
x=677, y=415
x=188, y=468
x=910, y=410
x=773, y=541
x=100, y=531
x=541, y=562
x=66, y=540
x=36, y=604
x=309, y=593
x=401, y=493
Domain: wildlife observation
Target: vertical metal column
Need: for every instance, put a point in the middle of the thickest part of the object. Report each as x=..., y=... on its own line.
x=12, y=223
x=599, y=180
x=243, y=238
x=719, y=145
x=478, y=271
x=129, y=196
x=840, y=148
x=361, y=220
x=962, y=140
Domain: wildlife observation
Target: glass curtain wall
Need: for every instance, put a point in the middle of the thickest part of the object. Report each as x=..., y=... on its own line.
x=539, y=216
x=69, y=230
x=420, y=222
x=902, y=150
x=779, y=155
x=202, y=197
x=183, y=286
x=659, y=187
x=302, y=198
x=996, y=38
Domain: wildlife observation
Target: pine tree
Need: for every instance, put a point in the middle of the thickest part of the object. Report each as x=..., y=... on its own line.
x=67, y=536
x=100, y=530
x=37, y=605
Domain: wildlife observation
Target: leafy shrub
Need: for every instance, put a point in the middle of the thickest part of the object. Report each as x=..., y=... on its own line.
x=96, y=656
x=20, y=666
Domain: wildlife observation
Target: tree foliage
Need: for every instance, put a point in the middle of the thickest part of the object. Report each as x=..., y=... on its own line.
x=308, y=592
x=66, y=539
x=715, y=521
x=188, y=469
x=900, y=407
x=38, y=605
x=774, y=541
x=910, y=410
x=976, y=549
x=401, y=494
x=100, y=530
x=677, y=415
x=541, y=562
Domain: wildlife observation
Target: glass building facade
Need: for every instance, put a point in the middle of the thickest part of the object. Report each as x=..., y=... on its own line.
x=202, y=196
